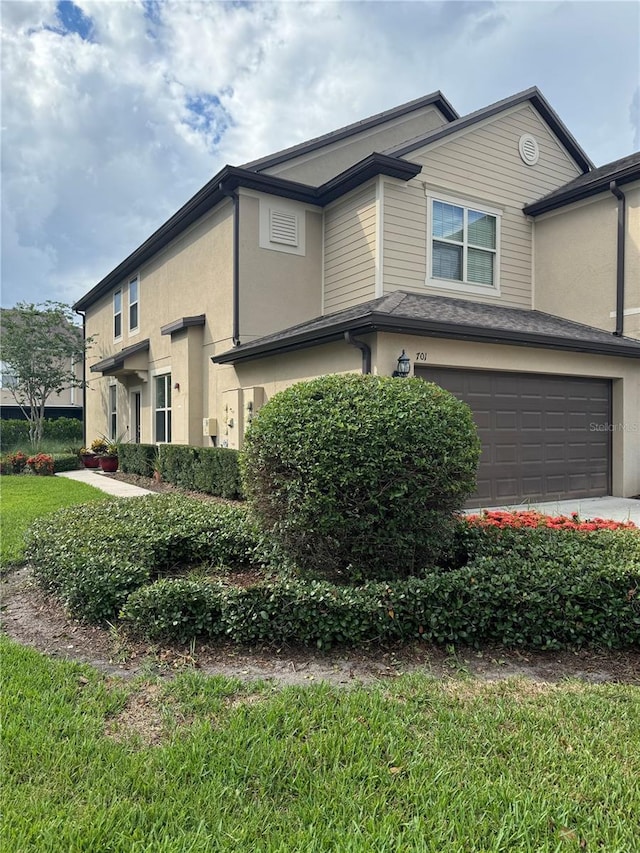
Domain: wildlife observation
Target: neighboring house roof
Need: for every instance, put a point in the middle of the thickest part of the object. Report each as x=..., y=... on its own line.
x=533, y=95
x=621, y=171
x=442, y=317
x=436, y=99
x=229, y=179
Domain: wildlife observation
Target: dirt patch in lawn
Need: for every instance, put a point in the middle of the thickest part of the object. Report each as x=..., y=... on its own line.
x=35, y=620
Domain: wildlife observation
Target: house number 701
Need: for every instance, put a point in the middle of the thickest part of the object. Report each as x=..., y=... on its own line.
x=421, y=356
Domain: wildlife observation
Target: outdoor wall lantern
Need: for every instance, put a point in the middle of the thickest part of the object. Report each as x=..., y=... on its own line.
x=404, y=366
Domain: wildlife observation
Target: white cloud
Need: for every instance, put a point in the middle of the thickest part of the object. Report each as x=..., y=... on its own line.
x=105, y=136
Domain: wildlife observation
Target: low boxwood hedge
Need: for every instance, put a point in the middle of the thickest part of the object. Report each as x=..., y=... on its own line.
x=503, y=598
x=93, y=556
x=539, y=588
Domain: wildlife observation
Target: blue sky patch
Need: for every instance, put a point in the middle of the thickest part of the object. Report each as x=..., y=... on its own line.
x=207, y=115
x=73, y=20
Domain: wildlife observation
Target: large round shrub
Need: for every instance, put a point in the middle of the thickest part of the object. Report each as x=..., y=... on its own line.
x=360, y=474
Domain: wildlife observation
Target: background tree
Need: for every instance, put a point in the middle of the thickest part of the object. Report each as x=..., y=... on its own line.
x=39, y=349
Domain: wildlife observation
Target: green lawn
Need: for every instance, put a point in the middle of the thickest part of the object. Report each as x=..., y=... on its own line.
x=23, y=499
x=209, y=764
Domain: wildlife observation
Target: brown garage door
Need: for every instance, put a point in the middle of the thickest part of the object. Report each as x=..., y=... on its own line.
x=543, y=437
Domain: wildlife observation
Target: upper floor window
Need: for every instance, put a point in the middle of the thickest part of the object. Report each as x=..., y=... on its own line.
x=133, y=305
x=463, y=244
x=117, y=314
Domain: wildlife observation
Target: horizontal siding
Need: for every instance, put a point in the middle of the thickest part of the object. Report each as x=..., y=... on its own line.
x=350, y=251
x=481, y=165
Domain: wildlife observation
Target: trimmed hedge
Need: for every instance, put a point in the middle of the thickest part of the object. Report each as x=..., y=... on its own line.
x=16, y=432
x=213, y=470
x=538, y=588
x=574, y=589
x=137, y=459
x=358, y=476
x=93, y=556
x=65, y=462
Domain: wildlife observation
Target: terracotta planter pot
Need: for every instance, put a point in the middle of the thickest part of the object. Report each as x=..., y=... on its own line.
x=109, y=464
x=90, y=460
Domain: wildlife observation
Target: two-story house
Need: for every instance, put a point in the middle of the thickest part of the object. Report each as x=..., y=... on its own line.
x=486, y=247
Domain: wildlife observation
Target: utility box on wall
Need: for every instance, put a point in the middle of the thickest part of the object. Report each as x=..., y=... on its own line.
x=209, y=426
x=238, y=410
x=231, y=419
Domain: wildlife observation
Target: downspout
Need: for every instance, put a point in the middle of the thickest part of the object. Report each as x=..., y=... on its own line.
x=622, y=228
x=233, y=195
x=364, y=348
x=84, y=376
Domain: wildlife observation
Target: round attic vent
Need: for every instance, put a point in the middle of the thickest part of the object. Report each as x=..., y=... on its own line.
x=529, y=150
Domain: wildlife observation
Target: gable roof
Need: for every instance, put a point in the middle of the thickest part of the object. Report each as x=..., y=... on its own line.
x=533, y=95
x=436, y=99
x=230, y=178
x=621, y=171
x=440, y=317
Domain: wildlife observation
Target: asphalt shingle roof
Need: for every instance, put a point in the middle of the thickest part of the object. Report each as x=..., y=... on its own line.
x=442, y=317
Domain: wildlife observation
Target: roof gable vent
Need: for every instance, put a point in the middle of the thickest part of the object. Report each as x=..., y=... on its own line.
x=283, y=227
x=529, y=151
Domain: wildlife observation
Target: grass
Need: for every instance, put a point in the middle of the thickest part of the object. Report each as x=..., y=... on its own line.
x=47, y=445
x=211, y=764
x=23, y=499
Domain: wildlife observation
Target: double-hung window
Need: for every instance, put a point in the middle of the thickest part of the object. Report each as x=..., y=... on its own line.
x=133, y=305
x=117, y=314
x=463, y=244
x=163, y=407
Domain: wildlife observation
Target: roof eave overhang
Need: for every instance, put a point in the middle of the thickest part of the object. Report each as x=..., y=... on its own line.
x=116, y=363
x=625, y=176
x=231, y=178
x=373, y=323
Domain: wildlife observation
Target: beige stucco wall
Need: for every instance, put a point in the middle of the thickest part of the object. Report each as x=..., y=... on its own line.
x=319, y=166
x=478, y=166
x=576, y=261
x=277, y=289
x=190, y=276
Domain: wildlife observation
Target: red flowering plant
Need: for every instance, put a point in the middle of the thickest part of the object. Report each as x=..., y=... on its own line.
x=504, y=519
x=14, y=463
x=41, y=464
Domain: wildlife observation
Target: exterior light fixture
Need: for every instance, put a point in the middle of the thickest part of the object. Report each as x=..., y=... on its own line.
x=404, y=366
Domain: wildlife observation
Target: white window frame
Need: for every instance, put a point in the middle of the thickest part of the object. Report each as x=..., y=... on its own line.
x=134, y=280
x=463, y=286
x=113, y=411
x=117, y=314
x=168, y=426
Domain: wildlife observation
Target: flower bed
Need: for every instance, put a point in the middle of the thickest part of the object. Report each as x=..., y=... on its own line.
x=532, y=518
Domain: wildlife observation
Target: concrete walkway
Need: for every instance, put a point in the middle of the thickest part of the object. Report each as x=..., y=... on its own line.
x=617, y=509
x=97, y=478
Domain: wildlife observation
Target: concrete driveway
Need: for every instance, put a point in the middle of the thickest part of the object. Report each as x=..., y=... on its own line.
x=618, y=509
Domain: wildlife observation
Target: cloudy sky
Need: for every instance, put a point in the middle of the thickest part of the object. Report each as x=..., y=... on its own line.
x=114, y=113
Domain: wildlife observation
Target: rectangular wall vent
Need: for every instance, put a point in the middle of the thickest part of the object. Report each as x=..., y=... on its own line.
x=283, y=227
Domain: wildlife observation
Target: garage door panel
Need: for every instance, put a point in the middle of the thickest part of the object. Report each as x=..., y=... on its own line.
x=539, y=433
